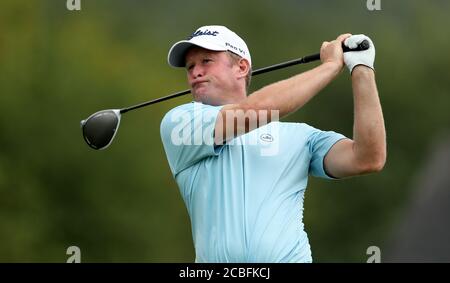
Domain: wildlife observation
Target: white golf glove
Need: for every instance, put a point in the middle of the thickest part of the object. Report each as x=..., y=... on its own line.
x=355, y=58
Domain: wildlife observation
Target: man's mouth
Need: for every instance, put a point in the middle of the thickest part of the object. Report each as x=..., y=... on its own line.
x=197, y=84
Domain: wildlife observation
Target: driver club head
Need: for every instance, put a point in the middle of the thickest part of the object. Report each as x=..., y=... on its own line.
x=100, y=128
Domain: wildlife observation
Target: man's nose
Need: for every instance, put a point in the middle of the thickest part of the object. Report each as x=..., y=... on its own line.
x=197, y=71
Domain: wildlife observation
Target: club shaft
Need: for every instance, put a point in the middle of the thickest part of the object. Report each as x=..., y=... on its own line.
x=310, y=58
x=263, y=70
x=180, y=93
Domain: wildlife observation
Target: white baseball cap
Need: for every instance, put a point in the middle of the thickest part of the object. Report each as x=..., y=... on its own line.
x=216, y=38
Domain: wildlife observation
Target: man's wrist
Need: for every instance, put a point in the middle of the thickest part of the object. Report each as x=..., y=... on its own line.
x=335, y=67
x=362, y=70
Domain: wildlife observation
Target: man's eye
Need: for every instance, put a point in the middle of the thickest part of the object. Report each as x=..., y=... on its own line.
x=189, y=67
x=207, y=60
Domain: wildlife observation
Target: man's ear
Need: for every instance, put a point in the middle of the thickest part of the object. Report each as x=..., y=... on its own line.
x=244, y=68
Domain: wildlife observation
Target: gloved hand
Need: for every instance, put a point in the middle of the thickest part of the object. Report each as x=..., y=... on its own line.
x=355, y=58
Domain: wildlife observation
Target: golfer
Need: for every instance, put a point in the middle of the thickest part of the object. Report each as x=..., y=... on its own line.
x=242, y=173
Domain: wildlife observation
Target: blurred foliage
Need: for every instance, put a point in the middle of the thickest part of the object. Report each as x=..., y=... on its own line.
x=122, y=204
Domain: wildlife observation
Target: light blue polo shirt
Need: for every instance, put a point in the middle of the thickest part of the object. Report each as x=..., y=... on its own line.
x=244, y=198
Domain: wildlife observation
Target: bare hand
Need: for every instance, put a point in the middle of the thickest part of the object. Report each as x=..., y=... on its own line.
x=331, y=52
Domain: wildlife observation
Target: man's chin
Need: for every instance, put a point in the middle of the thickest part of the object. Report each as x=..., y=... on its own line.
x=205, y=99
x=200, y=94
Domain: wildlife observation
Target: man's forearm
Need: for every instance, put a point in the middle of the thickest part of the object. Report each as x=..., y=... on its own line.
x=279, y=99
x=289, y=95
x=369, y=132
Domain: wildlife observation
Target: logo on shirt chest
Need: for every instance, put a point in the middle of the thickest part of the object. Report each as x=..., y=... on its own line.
x=266, y=137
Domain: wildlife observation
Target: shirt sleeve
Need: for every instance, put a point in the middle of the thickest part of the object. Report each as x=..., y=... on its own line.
x=187, y=134
x=320, y=142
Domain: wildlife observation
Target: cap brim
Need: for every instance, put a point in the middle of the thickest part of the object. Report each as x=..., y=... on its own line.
x=177, y=52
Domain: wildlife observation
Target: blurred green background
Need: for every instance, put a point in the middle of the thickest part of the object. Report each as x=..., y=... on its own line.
x=122, y=204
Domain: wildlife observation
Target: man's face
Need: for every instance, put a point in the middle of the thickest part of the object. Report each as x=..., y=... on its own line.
x=212, y=76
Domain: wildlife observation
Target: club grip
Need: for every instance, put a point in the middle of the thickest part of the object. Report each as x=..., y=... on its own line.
x=364, y=45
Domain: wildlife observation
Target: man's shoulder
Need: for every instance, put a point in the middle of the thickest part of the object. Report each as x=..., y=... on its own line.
x=296, y=126
x=188, y=112
x=190, y=107
x=185, y=106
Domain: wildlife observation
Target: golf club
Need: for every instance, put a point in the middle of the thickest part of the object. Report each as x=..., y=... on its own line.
x=100, y=128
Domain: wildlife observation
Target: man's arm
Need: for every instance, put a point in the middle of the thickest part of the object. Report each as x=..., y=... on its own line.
x=285, y=96
x=366, y=153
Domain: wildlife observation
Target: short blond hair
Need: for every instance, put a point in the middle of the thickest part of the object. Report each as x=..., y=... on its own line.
x=235, y=59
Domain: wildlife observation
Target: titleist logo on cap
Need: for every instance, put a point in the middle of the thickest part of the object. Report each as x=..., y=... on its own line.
x=200, y=32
